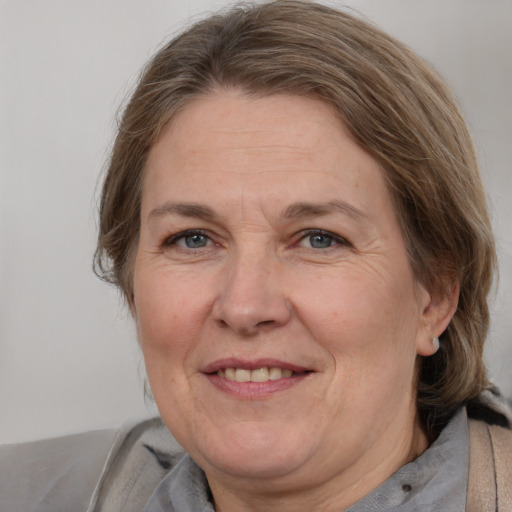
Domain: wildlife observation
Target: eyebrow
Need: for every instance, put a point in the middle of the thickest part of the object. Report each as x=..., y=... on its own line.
x=194, y=210
x=305, y=209
x=293, y=212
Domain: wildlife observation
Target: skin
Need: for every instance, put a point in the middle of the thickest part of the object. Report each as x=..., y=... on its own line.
x=258, y=284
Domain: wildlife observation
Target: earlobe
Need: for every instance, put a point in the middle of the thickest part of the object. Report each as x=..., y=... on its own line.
x=427, y=345
x=436, y=317
x=429, y=349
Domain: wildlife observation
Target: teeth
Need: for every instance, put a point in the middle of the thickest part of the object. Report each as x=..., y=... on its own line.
x=259, y=375
x=275, y=373
x=242, y=375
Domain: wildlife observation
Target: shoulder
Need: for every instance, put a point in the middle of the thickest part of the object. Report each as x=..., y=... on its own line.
x=87, y=471
x=39, y=474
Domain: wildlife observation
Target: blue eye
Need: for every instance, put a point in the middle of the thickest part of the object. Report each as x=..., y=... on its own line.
x=195, y=241
x=189, y=240
x=321, y=240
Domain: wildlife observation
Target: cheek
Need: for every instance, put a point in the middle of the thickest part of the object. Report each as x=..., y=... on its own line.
x=353, y=308
x=167, y=319
x=368, y=326
x=167, y=314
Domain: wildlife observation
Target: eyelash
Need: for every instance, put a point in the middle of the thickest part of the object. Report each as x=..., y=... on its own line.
x=173, y=239
x=303, y=235
x=338, y=240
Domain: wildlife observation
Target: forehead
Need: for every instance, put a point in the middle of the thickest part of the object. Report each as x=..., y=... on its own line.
x=237, y=118
x=279, y=145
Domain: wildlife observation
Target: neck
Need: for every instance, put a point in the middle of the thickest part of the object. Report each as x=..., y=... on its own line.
x=342, y=490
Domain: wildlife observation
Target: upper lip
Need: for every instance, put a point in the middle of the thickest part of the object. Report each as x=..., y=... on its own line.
x=254, y=364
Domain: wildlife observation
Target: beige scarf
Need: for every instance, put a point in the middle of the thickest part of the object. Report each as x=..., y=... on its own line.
x=490, y=468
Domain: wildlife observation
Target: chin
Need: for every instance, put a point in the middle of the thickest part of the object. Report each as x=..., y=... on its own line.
x=255, y=453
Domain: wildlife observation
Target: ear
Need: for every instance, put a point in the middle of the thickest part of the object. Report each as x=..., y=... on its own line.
x=439, y=307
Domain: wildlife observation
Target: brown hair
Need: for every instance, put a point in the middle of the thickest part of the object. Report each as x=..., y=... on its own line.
x=395, y=106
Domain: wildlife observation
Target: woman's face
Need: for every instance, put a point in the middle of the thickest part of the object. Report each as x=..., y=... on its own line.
x=274, y=300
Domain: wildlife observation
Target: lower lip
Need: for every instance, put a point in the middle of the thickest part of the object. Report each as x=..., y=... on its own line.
x=254, y=390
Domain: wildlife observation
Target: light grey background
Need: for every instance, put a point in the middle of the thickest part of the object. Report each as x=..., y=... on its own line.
x=69, y=359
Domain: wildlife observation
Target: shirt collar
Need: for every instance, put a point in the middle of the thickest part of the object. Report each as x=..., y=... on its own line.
x=436, y=480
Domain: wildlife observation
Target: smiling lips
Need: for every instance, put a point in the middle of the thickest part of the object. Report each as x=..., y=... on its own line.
x=259, y=371
x=254, y=380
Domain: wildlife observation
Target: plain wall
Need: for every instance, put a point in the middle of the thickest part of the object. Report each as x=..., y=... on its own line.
x=69, y=359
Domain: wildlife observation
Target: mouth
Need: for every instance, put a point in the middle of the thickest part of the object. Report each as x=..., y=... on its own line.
x=258, y=371
x=263, y=374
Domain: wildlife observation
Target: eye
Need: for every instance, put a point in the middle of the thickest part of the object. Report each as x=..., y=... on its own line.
x=318, y=239
x=189, y=240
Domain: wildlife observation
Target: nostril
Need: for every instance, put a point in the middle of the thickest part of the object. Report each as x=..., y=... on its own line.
x=256, y=308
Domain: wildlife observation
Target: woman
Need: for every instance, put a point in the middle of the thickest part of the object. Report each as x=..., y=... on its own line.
x=294, y=214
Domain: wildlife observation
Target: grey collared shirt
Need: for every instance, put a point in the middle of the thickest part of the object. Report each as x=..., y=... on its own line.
x=436, y=481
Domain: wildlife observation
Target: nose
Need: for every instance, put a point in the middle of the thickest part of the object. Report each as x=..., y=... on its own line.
x=251, y=297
